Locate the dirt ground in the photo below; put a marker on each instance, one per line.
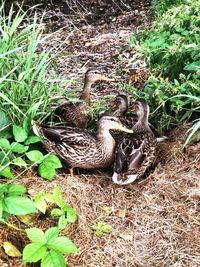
(155, 221)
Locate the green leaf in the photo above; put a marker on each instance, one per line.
(34, 155)
(18, 205)
(19, 133)
(4, 122)
(53, 160)
(36, 235)
(62, 222)
(56, 212)
(15, 190)
(33, 252)
(51, 234)
(19, 162)
(27, 124)
(62, 244)
(4, 144)
(194, 66)
(58, 197)
(32, 139)
(40, 203)
(53, 259)
(71, 213)
(46, 171)
(6, 172)
(1, 209)
(19, 148)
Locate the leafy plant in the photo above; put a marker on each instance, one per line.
(12, 201)
(65, 212)
(101, 228)
(47, 247)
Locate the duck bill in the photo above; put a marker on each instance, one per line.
(104, 78)
(124, 129)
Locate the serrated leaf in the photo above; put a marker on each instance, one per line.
(51, 234)
(46, 171)
(33, 252)
(26, 219)
(36, 235)
(18, 148)
(40, 203)
(54, 161)
(71, 213)
(53, 259)
(32, 140)
(62, 222)
(58, 196)
(62, 244)
(20, 162)
(6, 172)
(4, 144)
(15, 189)
(11, 250)
(18, 205)
(34, 155)
(19, 133)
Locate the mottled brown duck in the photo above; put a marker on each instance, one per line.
(75, 114)
(80, 147)
(136, 151)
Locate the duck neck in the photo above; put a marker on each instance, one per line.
(105, 139)
(85, 95)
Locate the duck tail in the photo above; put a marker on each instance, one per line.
(123, 179)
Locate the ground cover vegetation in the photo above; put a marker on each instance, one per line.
(171, 49)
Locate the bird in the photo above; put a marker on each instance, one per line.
(136, 151)
(82, 148)
(75, 114)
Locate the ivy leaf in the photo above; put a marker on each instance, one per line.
(18, 148)
(62, 244)
(33, 252)
(6, 172)
(15, 190)
(19, 133)
(53, 259)
(32, 139)
(62, 222)
(36, 235)
(18, 205)
(4, 144)
(53, 160)
(40, 202)
(56, 212)
(46, 171)
(58, 197)
(71, 214)
(19, 162)
(34, 155)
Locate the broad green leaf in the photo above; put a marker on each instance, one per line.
(15, 190)
(20, 162)
(46, 171)
(33, 252)
(19, 148)
(4, 144)
(6, 172)
(53, 160)
(53, 259)
(11, 250)
(36, 235)
(18, 205)
(71, 213)
(62, 244)
(194, 66)
(58, 196)
(4, 122)
(51, 234)
(34, 155)
(62, 222)
(56, 212)
(19, 133)
(1, 209)
(32, 139)
(40, 203)
(27, 124)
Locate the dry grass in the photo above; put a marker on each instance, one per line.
(155, 222)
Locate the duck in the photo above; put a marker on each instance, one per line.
(123, 108)
(82, 148)
(136, 151)
(75, 114)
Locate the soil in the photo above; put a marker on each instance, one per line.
(155, 221)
